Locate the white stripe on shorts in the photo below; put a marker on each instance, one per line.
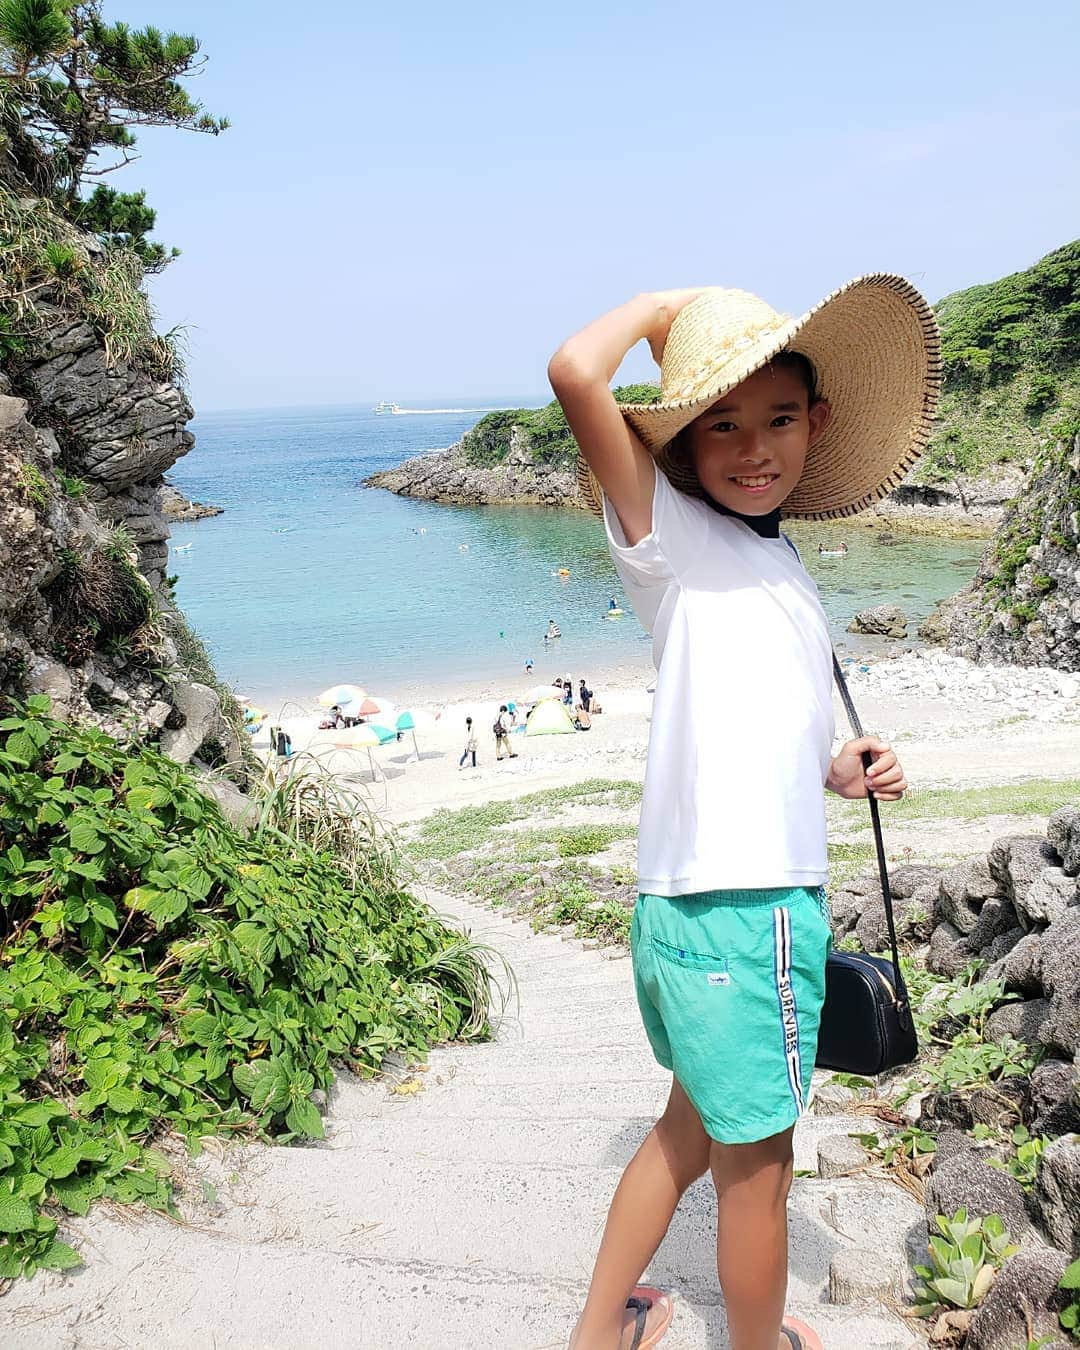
(785, 994)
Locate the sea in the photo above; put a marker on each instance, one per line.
(310, 579)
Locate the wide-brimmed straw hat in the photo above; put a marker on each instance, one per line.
(875, 349)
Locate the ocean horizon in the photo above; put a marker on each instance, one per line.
(310, 579)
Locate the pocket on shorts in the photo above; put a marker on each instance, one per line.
(712, 963)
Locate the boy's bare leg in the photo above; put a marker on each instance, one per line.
(752, 1183)
(675, 1153)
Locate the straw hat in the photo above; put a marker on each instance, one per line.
(874, 345)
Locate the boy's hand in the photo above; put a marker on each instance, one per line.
(668, 304)
(884, 779)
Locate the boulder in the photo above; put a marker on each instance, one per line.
(1003, 1104)
(1015, 861)
(1063, 832)
(966, 1182)
(1058, 970)
(201, 710)
(1055, 1098)
(1024, 1021)
(949, 954)
(839, 1154)
(1023, 1303)
(1057, 1193)
(880, 621)
(1019, 969)
(952, 904)
(1047, 898)
(910, 878)
(1002, 945)
(995, 918)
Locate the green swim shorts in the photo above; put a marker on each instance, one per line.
(730, 986)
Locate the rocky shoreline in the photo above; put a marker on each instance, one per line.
(175, 506)
(970, 507)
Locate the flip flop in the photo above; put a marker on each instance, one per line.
(639, 1302)
(800, 1335)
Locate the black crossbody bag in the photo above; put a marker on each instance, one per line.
(866, 1023)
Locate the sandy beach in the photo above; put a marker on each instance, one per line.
(954, 725)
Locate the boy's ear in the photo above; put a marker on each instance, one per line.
(819, 414)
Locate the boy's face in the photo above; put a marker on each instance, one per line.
(750, 447)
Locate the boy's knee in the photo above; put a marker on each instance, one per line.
(766, 1162)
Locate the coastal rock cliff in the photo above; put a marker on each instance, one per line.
(87, 614)
(450, 476)
(1023, 607)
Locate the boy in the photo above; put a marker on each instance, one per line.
(821, 415)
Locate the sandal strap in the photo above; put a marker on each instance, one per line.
(793, 1336)
(641, 1308)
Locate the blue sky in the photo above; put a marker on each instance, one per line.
(420, 201)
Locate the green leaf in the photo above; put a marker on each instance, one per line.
(60, 1163)
(16, 1216)
(953, 1291)
(84, 838)
(59, 1256)
(303, 1118)
(123, 1101)
(1071, 1278)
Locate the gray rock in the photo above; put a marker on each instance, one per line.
(881, 621)
(906, 880)
(954, 1143)
(952, 904)
(1024, 1021)
(1023, 1302)
(1059, 973)
(1003, 1104)
(856, 1275)
(996, 917)
(236, 806)
(1015, 861)
(49, 677)
(1019, 969)
(839, 1154)
(1048, 897)
(1063, 832)
(969, 1183)
(832, 1099)
(1001, 947)
(201, 709)
(1055, 1098)
(949, 953)
(1057, 1192)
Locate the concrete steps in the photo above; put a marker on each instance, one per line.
(467, 1215)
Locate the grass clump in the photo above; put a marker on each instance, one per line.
(445, 834)
(162, 972)
(1034, 797)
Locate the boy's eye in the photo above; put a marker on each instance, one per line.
(782, 421)
(722, 426)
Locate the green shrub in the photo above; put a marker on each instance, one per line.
(162, 972)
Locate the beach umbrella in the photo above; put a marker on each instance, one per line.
(541, 691)
(371, 707)
(548, 719)
(412, 718)
(360, 738)
(341, 693)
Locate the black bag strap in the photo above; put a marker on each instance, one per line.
(883, 874)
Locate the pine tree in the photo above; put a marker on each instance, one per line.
(71, 87)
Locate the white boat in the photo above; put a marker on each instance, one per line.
(384, 407)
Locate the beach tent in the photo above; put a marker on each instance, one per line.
(549, 719)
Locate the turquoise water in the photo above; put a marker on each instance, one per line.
(309, 579)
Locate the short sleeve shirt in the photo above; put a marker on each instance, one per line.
(742, 723)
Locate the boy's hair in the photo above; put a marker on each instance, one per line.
(468, 721)
(503, 707)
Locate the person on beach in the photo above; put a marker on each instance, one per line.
(820, 416)
(528, 665)
(584, 696)
(502, 733)
(470, 744)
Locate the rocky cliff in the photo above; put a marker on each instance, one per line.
(86, 609)
(1023, 607)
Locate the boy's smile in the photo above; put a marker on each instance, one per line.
(749, 448)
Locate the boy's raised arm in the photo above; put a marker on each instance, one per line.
(581, 372)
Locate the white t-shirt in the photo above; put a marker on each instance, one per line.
(742, 722)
